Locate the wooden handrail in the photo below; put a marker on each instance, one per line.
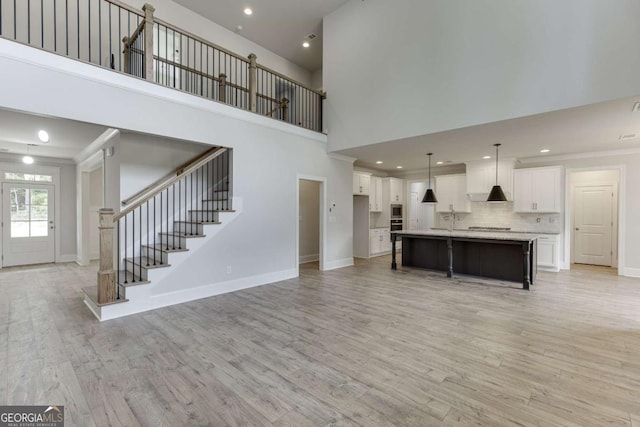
(186, 171)
(283, 77)
(177, 171)
(131, 40)
(126, 7)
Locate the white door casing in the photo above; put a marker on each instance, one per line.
(593, 224)
(28, 223)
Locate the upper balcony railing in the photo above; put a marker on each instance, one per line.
(116, 36)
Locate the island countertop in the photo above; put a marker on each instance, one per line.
(469, 234)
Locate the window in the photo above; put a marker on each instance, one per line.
(14, 176)
(29, 212)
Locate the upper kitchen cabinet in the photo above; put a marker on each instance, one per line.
(481, 177)
(392, 188)
(451, 191)
(538, 190)
(361, 183)
(375, 194)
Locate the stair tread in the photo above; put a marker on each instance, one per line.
(92, 293)
(146, 262)
(187, 236)
(163, 248)
(123, 275)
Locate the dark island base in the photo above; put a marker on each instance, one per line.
(504, 260)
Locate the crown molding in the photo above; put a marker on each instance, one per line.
(576, 156)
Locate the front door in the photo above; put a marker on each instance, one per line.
(27, 224)
(593, 226)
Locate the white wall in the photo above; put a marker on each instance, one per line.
(95, 204)
(309, 200)
(396, 69)
(268, 157)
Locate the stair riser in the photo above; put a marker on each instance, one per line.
(215, 205)
(201, 216)
(159, 255)
(171, 240)
(181, 227)
(135, 269)
(219, 195)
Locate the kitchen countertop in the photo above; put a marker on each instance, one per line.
(490, 235)
(378, 228)
(500, 231)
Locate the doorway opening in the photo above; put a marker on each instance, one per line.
(310, 230)
(594, 217)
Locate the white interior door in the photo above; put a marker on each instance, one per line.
(27, 224)
(593, 224)
(420, 215)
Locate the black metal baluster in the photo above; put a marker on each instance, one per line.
(126, 219)
(55, 26)
(29, 21)
(155, 231)
(173, 200)
(99, 32)
(118, 256)
(111, 39)
(140, 242)
(191, 194)
(148, 247)
(208, 192)
(174, 231)
(133, 246)
(89, 28)
(15, 18)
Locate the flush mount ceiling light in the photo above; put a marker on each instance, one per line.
(43, 135)
(379, 162)
(545, 150)
(306, 44)
(28, 160)
(486, 157)
(429, 195)
(248, 11)
(496, 195)
(439, 163)
(398, 167)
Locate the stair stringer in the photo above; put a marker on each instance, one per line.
(141, 297)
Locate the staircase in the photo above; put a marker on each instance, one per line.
(169, 217)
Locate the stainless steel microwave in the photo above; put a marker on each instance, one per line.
(396, 211)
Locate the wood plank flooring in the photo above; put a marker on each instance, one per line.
(357, 346)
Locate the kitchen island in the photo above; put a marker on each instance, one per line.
(503, 256)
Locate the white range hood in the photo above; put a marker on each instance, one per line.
(481, 177)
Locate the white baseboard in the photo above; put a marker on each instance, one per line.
(309, 258)
(631, 272)
(339, 263)
(171, 298)
(67, 258)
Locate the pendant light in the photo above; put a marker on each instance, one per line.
(429, 196)
(496, 195)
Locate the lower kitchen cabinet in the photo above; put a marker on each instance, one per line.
(549, 252)
(380, 241)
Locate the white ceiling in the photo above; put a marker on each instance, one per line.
(67, 137)
(590, 128)
(278, 25)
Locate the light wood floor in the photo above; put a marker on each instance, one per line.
(356, 346)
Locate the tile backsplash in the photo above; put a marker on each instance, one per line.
(485, 214)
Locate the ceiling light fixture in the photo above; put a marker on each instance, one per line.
(248, 11)
(28, 160)
(398, 167)
(305, 44)
(429, 195)
(486, 157)
(439, 163)
(545, 150)
(379, 162)
(43, 136)
(496, 195)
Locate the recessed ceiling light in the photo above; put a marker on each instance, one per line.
(486, 157)
(439, 163)
(43, 136)
(379, 162)
(398, 167)
(248, 11)
(546, 150)
(27, 160)
(305, 44)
